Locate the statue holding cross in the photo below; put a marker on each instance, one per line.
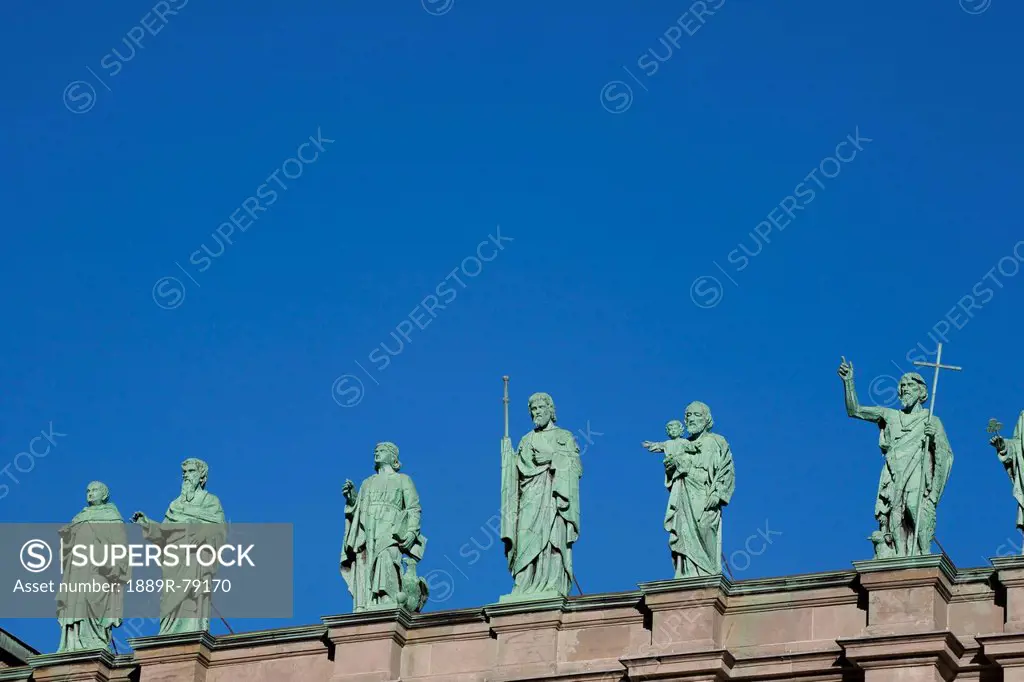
(918, 459)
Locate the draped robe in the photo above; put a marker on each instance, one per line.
(387, 507)
(86, 618)
(694, 480)
(197, 522)
(540, 502)
(912, 479)
(1013, 462)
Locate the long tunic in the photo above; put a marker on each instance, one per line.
(188, 610)
(540, 495)
(903, 503)
(1013, 462)
(386, 509)
(86, 618)
(695, 481)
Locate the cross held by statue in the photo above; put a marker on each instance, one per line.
(935, 381)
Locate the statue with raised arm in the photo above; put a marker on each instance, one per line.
(196, 518)
(87, 618)
(540, 505)
(383, 542)
(1011, 456)
(918, 459)
(700, 478)
(675, 443)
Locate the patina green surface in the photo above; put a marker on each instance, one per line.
(918, 459)
(700, 477)
(540, 505)
(195, 517)
(1011, 454)
(383, 543)
(87, 619)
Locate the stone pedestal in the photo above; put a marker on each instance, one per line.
(907, 595)
(1007, 651)
(527, 638)
(686, 614)
(368, 645)
(1010, 577)
(906, 637)
(173, 658)
(76, 666)
(921, 657)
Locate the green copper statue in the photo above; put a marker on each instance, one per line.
(540, 504)
(87, 618)
(1011, 455)
(195, 517)
(382, 532)
(700, 478)
(918, 459)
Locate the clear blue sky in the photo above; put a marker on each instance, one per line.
(445, 126)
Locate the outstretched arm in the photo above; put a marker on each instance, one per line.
(653, 446)
(853, 406)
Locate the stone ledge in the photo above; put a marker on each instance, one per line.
(941, 649)
(302, 633)
(200, 637)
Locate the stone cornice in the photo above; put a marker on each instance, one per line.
(788, 664)
(453, 617)
(679, 584)
(977, 574)
(792, 583)
(200, 638)
(512, 608)
(606, 600)
(400, 616)
(941, 647)
(904, 572)
(940, 561)
(302, 633)
(72, 657)
(709, 664)
(1003, 647)
(21, 672)
(1011, 562)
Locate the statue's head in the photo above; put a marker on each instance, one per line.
(96, 493)
(698, 418)
(542, 409)
(386, 453)
(913, 390)
(194, 473)
(674, 429)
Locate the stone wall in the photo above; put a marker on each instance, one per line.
(894, 620)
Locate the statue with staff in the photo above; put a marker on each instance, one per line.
(540, 504)
(918, 459)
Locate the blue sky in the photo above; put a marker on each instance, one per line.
(626, 190)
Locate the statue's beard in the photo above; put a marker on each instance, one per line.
(188, 489)
(541, 421)
(908, 400)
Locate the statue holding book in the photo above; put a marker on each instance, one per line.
(383, 543)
